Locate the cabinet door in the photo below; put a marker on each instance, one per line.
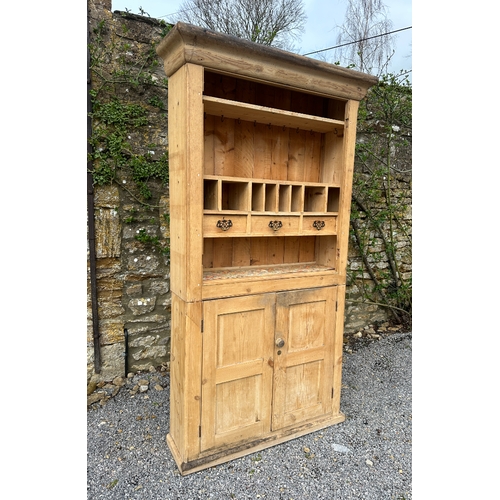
(237, 369)
(303, 365)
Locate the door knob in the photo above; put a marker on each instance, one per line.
(280, 342)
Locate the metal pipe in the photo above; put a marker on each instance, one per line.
(90, 218)
(125, 331)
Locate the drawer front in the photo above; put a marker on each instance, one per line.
(266, 225)
(319, 225)
(224, 225)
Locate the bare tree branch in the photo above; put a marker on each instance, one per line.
(364, 20)
(269, 22)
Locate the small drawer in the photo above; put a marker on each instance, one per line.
(224, 225)
(319, 225)
(276, 225)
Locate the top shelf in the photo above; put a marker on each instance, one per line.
(262, 114)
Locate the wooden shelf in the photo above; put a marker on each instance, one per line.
(262, 271)
(231, 178)
(262, 114)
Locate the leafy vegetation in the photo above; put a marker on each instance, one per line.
(380, 220)
(121, 77)
(128, 96)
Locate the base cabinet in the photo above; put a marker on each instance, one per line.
(267, 364)
(267, 370)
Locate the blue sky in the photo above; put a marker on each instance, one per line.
(320, 33)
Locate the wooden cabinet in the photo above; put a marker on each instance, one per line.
(261, 148)
(267, 364)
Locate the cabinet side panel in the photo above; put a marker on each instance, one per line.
(346, 186)
(185, 377)
(338, 348)
(185, 137)
(177, 173)
(177, 371)
(193, 341)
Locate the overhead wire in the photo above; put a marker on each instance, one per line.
(356, 41)
(316, 51)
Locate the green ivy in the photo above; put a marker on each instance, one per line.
(152, 241)
(129, 91)
(118, 112)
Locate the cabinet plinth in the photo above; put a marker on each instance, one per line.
(260, 188)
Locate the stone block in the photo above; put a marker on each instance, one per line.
(161, 287)
(109, 288)
(107, 267)
(142, 305)
(153, 318)
(143, 264)
(134, 290)
(153, 352)
(109, 309)
(144, 342)
(112, 362)
(106, 196)
(111, 332)
(107, 233)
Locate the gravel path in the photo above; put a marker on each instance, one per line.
(366, 457)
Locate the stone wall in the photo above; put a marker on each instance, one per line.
(133, 278)
(359, 312)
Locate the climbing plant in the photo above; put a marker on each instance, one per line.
(380, 223)
(129, 105)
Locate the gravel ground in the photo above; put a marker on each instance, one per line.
(369, 456)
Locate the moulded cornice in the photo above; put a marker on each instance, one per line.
(227, 54)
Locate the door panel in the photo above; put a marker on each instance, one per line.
(237, 369)
(303, 366)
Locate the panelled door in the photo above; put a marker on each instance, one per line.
(303, 361)
(237, 373)
(267, 363)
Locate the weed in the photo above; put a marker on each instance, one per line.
(112, 484)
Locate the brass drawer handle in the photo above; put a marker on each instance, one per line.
(275, 225)
(319, 224)
(225, 224)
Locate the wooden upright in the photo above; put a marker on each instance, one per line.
(261, 149)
